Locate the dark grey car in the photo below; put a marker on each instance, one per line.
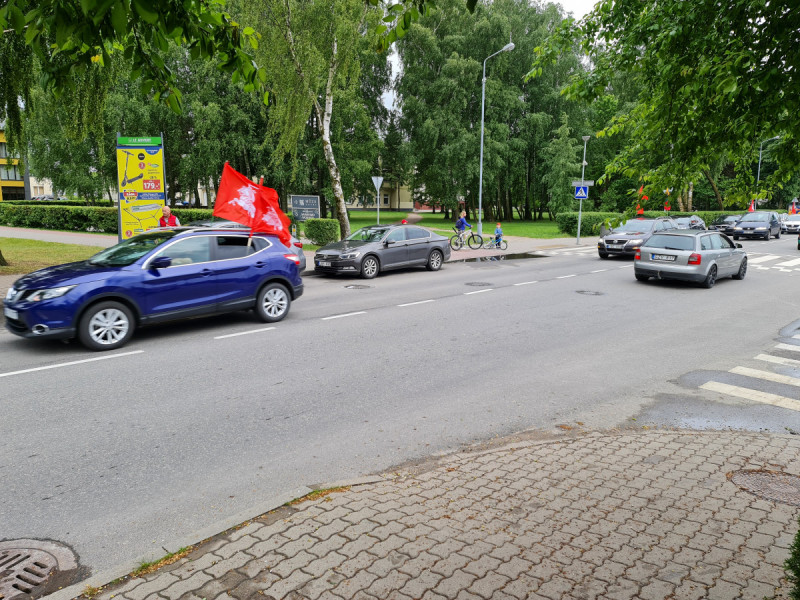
(628, 237)
(758, 224)
(377, 248)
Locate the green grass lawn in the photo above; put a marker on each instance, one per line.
(24, 256)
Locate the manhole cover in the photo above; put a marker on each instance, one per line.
(356, 287)
(32, 568)
(769, 485)
(590, 293)
(479, 284)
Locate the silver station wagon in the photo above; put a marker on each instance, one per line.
(690, 255)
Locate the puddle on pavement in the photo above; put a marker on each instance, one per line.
(498, 257)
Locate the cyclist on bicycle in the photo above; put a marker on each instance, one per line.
(462, 224)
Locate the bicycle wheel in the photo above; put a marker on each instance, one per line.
(456, 242)
(503, 245)
(475, 241)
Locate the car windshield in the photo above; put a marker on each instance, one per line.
(368, 234)
(635, 226)
(757, 217)
(671, 242)
(793, 218)
(128, 252)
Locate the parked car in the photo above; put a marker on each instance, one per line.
(725, 223)
(297, 245)
(161, 275)
(690, 255)
(791, 224)
(760, 224)
(377, 248)
(628, 237)
(691, 222)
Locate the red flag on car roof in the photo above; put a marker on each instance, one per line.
(751, 208)
(248, 203)
(793, 210)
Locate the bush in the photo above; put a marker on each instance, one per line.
(590, 222)
(322, 231)
(71, 218)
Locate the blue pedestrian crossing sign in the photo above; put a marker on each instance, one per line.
(582, 192)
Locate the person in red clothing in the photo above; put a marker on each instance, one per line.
(168, 219)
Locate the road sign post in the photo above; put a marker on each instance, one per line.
(377, 181)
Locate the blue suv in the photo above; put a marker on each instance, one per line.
(162, 275)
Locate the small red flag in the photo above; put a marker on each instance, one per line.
(751, 208)
(667, 206)
(248, 203)
(793, 210)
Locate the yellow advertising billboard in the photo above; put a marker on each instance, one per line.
(142, 189)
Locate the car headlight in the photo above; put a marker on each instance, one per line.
(11, 291)
(635, 242)
(738, 228)
(762, 228)
(353, 254)
(40, 295)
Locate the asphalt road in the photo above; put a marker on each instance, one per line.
(118, 454)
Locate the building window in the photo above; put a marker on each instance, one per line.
(3, 152)
(10, 173)
(386, 199)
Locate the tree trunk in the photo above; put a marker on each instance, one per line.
(3, 262)
(691, 194)
(714, 187)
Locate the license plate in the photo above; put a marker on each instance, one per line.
(665, 257)
(324, 263)
(10, 313)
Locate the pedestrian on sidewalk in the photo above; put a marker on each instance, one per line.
(167, 218)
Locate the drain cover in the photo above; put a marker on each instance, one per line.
(32, 568)
(479, 283)
(590, 293)
(356, 287)
(769, 485)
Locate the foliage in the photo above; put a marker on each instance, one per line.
(713, 83)
(590, 222)
(561, 164)
(322, 231)
(69, 218)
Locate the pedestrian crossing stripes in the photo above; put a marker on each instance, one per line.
(754, 395)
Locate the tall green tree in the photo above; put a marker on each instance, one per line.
(561, 160)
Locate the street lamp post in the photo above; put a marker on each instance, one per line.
(760, 148)
(507, 48)
(585, 139)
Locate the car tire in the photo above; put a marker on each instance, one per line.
(106, 326)
(273, 302)
(435, 260)
(640, 277)
(370, 267)
(604, 255)
(778, 235)
(711, 278)
(742, 269)
(767, 236)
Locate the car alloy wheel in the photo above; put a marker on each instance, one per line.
(106, 326)
(369, 268)
(742, 269)
(711, 278)
(435, 261)
(273, 302)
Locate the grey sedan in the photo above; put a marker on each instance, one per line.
(690, 255)
(377, 248)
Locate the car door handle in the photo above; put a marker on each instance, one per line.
(207, 272)
(261, 263)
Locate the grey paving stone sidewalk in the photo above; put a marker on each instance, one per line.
(648, 515)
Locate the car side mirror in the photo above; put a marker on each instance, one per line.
(388, 242)
(738, 245)
(160, 262)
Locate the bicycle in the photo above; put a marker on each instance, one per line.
(458, 241)
(491, 244)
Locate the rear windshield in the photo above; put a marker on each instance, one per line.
(671, 242)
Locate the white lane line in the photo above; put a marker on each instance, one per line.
(766, 375)
(761, 259)
(754, 395)
(600, 271)
(478, 291)
(415, 303)
(797, 337)
(626, 267)
(361, 312)
(566, 276)
(789, 263)
(74, 362)
(779, 360)
(526, 282)
(788, 347)
(230, 335)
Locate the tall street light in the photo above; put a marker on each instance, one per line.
(585, 139)
(507, 48)
(760, 148)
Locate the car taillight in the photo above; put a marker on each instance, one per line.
(293, 257)
(694, 259)
(638, 255)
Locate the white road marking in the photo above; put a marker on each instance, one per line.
(74, 362)
(788, 347)
(600, 271)
(754, 395)
(566, 276)
(626, 267)
(766, 375)
(478, 291)
(361, 312)
(415, 303)
(230, 335)
(761, 259)
(797, 337)
(526, 282)
(790, 263)
(779, 360)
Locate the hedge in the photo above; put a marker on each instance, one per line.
(322, 231)
(591, 222)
